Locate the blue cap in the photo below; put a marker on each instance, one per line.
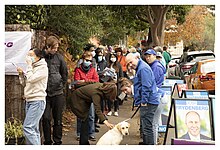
(150, 52)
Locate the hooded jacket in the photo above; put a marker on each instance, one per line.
(82, 98)
(36, 81)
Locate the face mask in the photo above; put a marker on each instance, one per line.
(93, 53)
(113, 59)
(86, 63)
(99, 58)
(32, 59)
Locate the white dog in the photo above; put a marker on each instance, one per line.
(115, 135)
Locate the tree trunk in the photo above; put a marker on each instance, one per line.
(149, 40)
(160, 31)
(156, 16)
(155, 37)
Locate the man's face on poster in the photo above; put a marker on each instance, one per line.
(193, 123)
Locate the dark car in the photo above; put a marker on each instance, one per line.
(188, 59)
(171, 66)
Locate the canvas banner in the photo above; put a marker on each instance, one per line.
(17, 44)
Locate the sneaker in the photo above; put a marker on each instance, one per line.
(96, 130)
(109, 113)
(77, 138)
(141, 143)
(92, 138)
(97, 126)
(116, 113)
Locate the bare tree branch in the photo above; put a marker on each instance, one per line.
(149, 16)
(141, 18)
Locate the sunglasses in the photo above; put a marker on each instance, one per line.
(88, 60)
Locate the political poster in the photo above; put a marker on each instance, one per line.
(193, 119)
(212, 98)
(171, 82)
(166, 102)
(17, 44)
(190, 142)
(200, 94)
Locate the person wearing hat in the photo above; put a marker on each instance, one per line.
(159, 57)
(159, 72)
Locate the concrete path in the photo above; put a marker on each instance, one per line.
(69, 137)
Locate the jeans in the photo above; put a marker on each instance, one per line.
(55, 104)
(91, 121)
(156, 120)
(146, 118)
(34, 111)
(116, 105)
(84, 134)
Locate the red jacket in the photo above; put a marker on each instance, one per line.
(91, 75)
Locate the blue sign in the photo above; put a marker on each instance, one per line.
(166, 102)
(196, 94)
(171, 82)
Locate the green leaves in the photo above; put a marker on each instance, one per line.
(13, 128)
(35, 15)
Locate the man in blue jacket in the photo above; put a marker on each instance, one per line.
(145, 94)
(159, 72)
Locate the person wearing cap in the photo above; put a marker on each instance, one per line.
(159, 57)
(159, 71)
(145, 95)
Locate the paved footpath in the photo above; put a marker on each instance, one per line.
(125, 112)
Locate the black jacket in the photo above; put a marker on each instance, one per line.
(58, 74)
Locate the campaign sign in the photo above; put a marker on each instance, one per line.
(171, 82)
(193, 119)
(166, 102)
(200, 94)
(190, 142)
(212, 98)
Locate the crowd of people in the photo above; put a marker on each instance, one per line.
(103, 78)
